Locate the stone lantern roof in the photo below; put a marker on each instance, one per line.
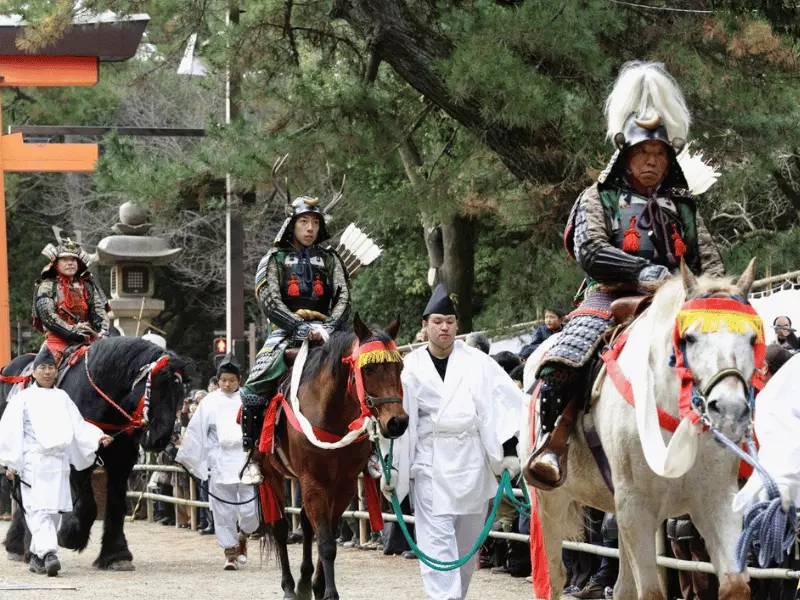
(131, 244)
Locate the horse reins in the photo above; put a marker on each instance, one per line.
(139, 418)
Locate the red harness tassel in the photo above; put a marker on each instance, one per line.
(373, 503)
(680, 247)
(630, 239)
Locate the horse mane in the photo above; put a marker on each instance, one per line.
(118, 360)
(328, 357)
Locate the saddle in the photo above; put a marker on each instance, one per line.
(70, 357)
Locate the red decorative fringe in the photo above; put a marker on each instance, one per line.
(680, 247)
(373, 503)
(270, 509)
(539, 564)
(630, 239)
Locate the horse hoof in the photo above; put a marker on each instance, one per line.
(122, 565)
(14, 557)
(289, 596)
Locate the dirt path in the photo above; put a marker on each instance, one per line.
(173, 564)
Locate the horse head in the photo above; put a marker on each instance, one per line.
(380, 365)
(721, 342)
(166, 395)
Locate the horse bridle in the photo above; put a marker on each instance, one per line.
(699, 398)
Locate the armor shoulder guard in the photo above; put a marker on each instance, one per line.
(591, 192)
(261, 272)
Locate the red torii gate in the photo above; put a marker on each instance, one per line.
(71, 61)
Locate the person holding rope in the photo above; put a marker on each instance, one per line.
(42, 433)
(464, 415)
(213, 440)
(69, 306)
(299, 283)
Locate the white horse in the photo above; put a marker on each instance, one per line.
(643, 499)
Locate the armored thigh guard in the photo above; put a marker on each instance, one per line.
(261, 386)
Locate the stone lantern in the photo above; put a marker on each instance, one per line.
(132, 255)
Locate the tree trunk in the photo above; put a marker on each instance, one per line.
(412, 161)
(413, 50)
(458, 269)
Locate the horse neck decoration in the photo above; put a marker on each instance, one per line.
(691, 358)
(117, 380)
(353, 377)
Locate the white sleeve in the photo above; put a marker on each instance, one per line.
(85, 438)
(193, 452)
(11, 435)
(777, 427)
(404, 446)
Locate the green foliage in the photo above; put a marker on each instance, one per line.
(535, 66)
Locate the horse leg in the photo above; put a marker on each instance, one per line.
(625, 586)
(716, 523)
(119, 461)
(326, 547)
(280, 533)
(76, 526)
(637, 534)
(307, 566)
(561, 519)
(17, 540)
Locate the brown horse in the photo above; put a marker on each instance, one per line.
(329, 399)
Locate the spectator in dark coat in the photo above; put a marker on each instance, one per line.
(553, 323)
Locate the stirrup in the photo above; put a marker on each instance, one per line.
(252, 474)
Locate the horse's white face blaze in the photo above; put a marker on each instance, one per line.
(727, 405)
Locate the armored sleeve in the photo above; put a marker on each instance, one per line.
(98, 309)
(268, 290)
(593, 249)
(340, 306)
(710, 260)
(45, 309)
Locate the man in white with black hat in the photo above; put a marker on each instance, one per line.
(464, 415)
(42, 433)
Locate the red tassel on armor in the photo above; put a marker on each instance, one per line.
(630, 239)
(319, 289)
(680, 247)
(293, 287)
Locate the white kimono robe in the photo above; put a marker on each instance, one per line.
(456, 427)
(42, 433)
(777, 426)
(213, 441)
(452, 452)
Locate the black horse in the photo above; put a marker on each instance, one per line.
(119, 368)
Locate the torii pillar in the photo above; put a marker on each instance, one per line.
(72, 61)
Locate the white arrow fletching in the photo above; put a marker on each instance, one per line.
(700, 175)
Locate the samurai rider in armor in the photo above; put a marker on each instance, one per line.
(627, 231)
(69, 306)
(299, 283)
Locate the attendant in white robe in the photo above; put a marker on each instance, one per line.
(463, 409)
(777, 428)
(213, 442)
(42, 433)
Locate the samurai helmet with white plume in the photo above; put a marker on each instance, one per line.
(646, 105)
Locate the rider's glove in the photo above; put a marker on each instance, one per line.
(653, 273)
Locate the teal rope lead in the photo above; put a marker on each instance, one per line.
(504, 489)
